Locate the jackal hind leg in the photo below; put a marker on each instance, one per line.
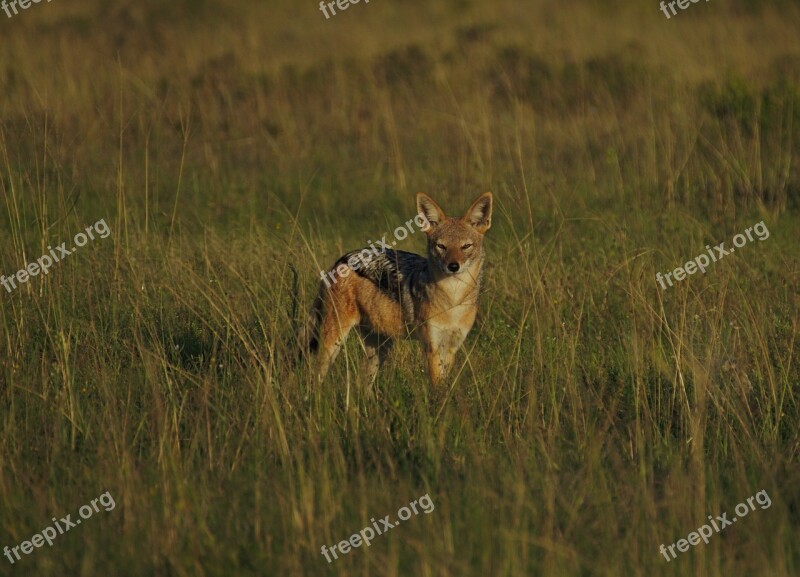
(336, 325)
(377, 348)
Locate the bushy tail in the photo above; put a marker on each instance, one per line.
(307, 337)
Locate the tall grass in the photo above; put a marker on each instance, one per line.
(236, 150)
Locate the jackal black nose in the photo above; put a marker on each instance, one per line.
(453, 267)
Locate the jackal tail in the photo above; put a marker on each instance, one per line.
(307, 337)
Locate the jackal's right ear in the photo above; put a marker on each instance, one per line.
(429, 210)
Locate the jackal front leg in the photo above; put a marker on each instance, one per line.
(441, 352)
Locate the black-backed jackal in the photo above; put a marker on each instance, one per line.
(396, 293)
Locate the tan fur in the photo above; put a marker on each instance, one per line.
(441, 304)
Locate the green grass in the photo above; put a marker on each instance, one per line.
(236, 150)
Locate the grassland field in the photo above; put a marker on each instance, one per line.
(236, 149)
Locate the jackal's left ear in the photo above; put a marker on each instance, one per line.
(479, 214)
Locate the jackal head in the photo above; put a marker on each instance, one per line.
(456, 244)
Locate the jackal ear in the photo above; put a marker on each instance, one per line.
(429, 210)
(479, 214)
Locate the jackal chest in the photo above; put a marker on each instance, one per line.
(447, 326)
(447, 337)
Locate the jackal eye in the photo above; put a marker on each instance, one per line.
(466, 246)
(440, 246)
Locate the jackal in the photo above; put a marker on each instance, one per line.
(396, 293)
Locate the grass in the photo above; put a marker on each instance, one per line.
(236, 150)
